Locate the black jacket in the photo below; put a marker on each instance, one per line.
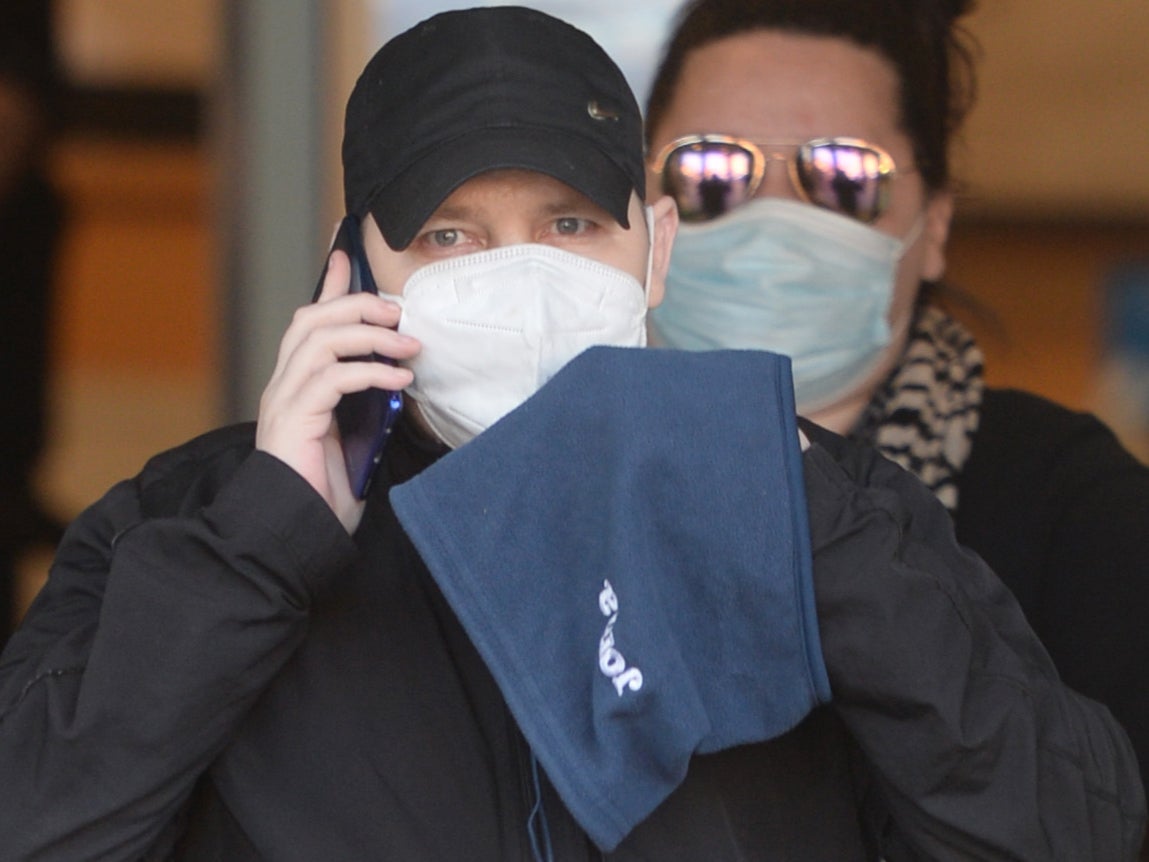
(215, 670)
(1058, 509)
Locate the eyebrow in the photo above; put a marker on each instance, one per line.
(453, 213)
(568, 203)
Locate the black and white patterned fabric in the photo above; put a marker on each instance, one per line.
(924, 416)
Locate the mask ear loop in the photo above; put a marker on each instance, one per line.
(899, 329)
(648, 213)
(913, 235)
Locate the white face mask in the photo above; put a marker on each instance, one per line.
(496, 325)
(791, 278)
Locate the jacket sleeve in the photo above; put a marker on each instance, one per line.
(150, 640)
(974, 747)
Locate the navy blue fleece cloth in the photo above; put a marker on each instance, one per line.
(628, 551)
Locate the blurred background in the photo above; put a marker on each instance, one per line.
(194, 147)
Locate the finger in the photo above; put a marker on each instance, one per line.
(335, 358)
(337, 278)
(293, 412)
(341, 342)
(345, 377)
(352, 308)
(379, 314)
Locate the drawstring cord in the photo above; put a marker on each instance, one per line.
(537, 828)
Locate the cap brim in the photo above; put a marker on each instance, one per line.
(406, 203)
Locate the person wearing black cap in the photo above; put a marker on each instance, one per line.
(598, 602)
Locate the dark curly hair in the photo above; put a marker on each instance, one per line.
(931, 53)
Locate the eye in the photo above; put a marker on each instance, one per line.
(571, 226)
(445, 238)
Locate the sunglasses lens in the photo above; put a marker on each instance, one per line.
(850, 179)
(707, 179)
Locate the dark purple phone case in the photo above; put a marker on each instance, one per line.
(365, 419)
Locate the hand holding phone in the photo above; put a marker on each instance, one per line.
(365, 419)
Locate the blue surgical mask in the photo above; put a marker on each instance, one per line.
(787, 277)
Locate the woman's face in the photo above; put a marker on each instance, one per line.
(769, 85)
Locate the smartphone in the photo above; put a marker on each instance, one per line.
(365, 419)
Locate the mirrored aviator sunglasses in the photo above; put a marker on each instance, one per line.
(709, 175)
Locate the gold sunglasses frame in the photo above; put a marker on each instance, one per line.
(764, 152)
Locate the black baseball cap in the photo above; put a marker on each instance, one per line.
(468, 91)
